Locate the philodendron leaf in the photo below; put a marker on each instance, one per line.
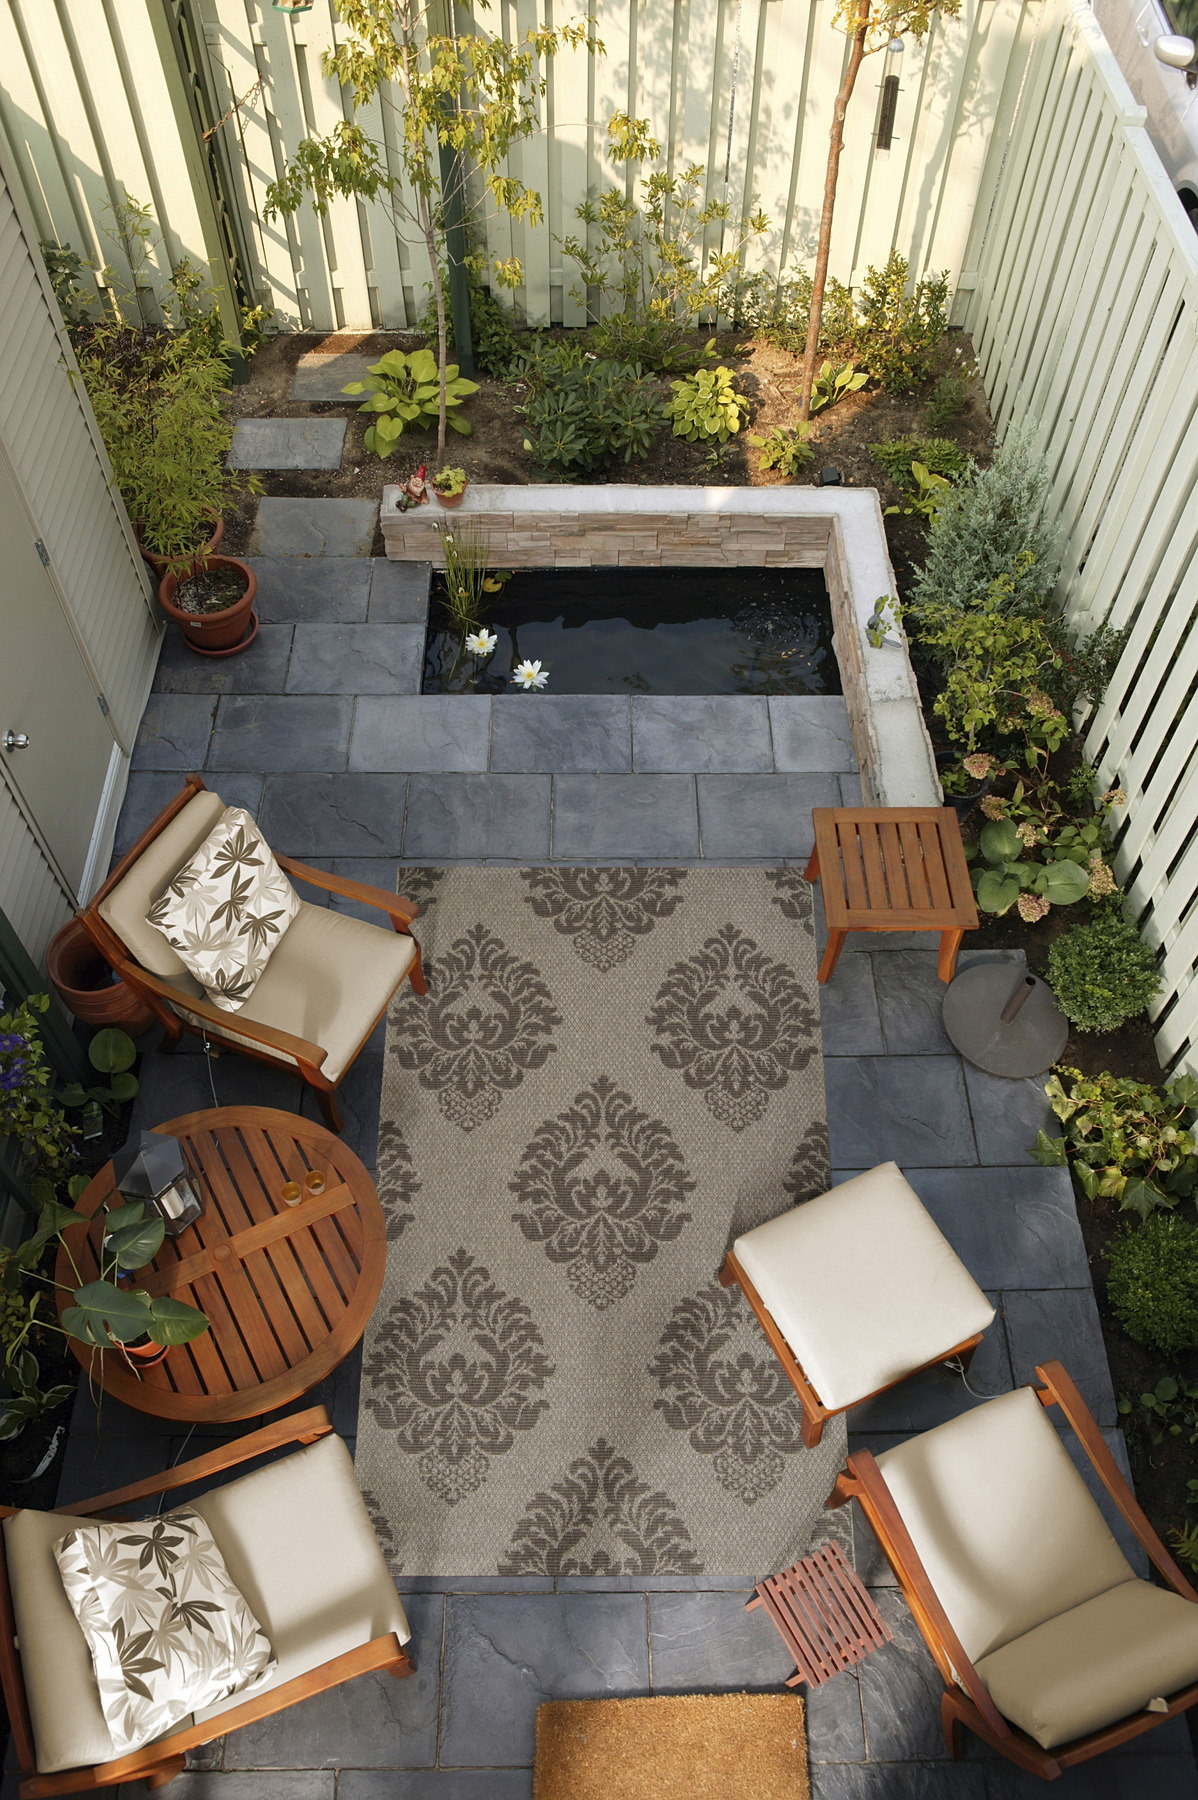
(112, 1051)
(124, 1086)
(1064, 883)
(135, 1245)
(118, 1217)
(55, 1217)
(1000, 842)
(997, 891)
(103, 1311)
(174, 1322)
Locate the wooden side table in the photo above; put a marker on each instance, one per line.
(287, 1289)
(892, 868)
(824, 1615)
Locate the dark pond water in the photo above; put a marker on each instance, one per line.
(648, 631)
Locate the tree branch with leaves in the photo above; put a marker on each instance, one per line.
(475, 95)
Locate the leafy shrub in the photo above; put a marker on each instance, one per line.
(1126, 1140)
(949, 398)
(940, 456)
(492, 338)
(1153, 1282)
(65, 269)
(405, 390)
(707, 406)
(1102, 973)
(895, 334)
(584, 414)
(990, 521)
(786, 451)
(1054, 882)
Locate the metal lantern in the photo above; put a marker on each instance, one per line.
(150, 1168)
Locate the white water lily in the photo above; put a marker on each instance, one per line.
(481, 643)
(530, 675)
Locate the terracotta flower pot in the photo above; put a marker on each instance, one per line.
(449, 501)
(87, 986)
(204, 551)
(146, 1354)
(219, 632)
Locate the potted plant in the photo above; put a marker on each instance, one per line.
(965, 778)
(212, 601)
(87, 986)
(449, 485)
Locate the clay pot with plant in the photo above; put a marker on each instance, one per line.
(449, 485)
(86, 985)
(213, 605)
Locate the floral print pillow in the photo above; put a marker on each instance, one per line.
(225, 911)
(167, 1630)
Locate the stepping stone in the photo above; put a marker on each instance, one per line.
(288, 526)
(323, 377)
(287, 444)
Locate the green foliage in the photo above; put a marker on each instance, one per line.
(1009, 874)
(405, 390)
(113, 1053)
(992, 526)
(450, 481)
(706, 406)
(949, 398)
(1153, 1282)
(788, 451)
(1184, 1540)
(940, 456)
(26, 1399)
(896, 334)
(30, 1113)
(833, 383)
(930, 490)
(642, 261)
(1169, 1411)
(492, 338)
(584, 414)
(465, 552)
(1126, 1140)
(1102, 973)
(1083, 667)
(70, 279)
(774, 310)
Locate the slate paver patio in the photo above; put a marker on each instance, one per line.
(488, 1651)
(287, 444)
(320, 377)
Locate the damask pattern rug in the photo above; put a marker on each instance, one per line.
(615, 1072)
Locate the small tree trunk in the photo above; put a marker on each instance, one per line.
(835, 145)
(430, 239)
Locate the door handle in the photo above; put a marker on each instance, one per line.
(16, 740)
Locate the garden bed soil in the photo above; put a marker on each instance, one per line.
(494, 452)
(212, 591)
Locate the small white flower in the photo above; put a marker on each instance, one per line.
(530, 675)
(481, 643)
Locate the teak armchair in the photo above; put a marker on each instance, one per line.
(856, 1291)
(302, 1512)
(326, 987)
(1051, 1648)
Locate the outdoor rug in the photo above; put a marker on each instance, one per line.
(614, 1073)
(677, 1747)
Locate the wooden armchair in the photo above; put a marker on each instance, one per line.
(342, 1618)
(856, 1291)
(1051, 1648)
(325, 988)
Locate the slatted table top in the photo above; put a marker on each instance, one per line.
(824, 1615)
(893, 867)
(287, 1289)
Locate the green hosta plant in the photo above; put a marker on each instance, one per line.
(112, 1053)
(786, 451)
(707, 407)
(1124, 1139)
(1007, 879)
(939, 455)
(832, 384)
(930, 490)
(404, 390)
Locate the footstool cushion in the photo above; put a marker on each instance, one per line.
(862, 1285)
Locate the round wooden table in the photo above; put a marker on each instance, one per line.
(287, 1289)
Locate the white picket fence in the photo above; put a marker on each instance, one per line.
(744, 87)
(1085, 318)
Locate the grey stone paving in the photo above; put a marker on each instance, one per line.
(416, 779)
(301, 527)
(287, 444)
(323, 377)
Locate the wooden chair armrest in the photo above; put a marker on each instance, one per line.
(299, 1048)
(868, 1485)
(300, 1428)
(1082, 1422)
(395, 904)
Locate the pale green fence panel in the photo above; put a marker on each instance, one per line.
(1085, 317)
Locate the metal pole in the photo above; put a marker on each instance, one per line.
(454, 211)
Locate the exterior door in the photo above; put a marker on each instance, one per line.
(47, 695)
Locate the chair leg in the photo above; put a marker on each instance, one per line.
(950, 943)
(811, 872)
(403, 1665)
(811, 1430)
(727, 1275)
(165, 1772)
(416, 974)
(954, 1736)
(832, 954)
(326, 1099)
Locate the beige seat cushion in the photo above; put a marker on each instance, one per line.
(296, 1541)
(126, 907)
(328, 980)
(1002, 1521)
(862, 1285)
(1095, 1664)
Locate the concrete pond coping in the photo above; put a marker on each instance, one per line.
(838, 530)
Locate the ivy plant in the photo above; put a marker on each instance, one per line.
(706, 407)
(1124, 1139)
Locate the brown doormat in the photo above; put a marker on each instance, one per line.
(684, 1747)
